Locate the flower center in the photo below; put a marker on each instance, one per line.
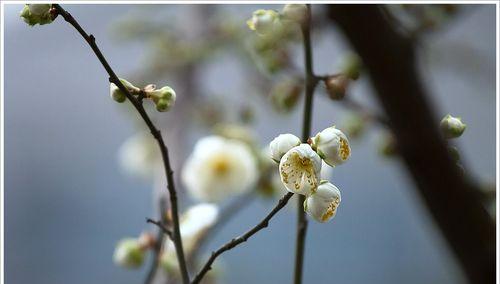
(344, 149)
(332, 207)
(221, 166)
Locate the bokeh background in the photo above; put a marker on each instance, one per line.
(67, 202)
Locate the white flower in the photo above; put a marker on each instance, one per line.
(129, 253)
(219, 168)
(264, 22)
(295, 12)
(300, 169)
(452, 127)
(193, 225)
(140, 156)
(322, 205)
(197, 219)
(332, 145)
(282, 144)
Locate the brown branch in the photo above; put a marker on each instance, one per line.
(162, 227)
(158, 248)
(451, 199)
(310, 83)
(243, 238)
(154, 131)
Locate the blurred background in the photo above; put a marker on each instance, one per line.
(68, 200)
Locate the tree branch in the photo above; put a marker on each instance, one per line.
(310, 82)
(154, 131)
(160, 238)
(243, 238)
(451, 199)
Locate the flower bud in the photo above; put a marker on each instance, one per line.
(300, 169)
(34, 14)
(263, 21)
(332, 145)
(285, 95)
(295, 12)
(322, 205)
(164, 98)
(354, 125)
(387, 146)
(336, 86)
(454, 153)
(129, 253)
(117, 95)
(351, 66)
(452, 127)
(282, 144)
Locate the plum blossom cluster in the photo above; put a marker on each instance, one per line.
(300, 167)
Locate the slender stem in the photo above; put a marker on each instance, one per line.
(160, 238)
(243, 238)
(154, 131)
(310, 84)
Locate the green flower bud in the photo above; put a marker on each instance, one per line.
(34, 14)
(295, 12)
(285, 95)
(452, 127)
(354, 125)
(264, 22)
(455, 155)
(351, 66)
(164, 98)
(129, 253)
(117, 95)
(388, 146)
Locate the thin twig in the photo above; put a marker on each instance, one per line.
(158, 248)
(160, 225)
(311, 82)
(154, 131)
(243, 238)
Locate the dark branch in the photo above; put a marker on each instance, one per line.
(154, 131)
(451, 199)
(160, 225)
(243, 238)
(160, 239)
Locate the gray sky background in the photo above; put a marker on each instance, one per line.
(67, 202)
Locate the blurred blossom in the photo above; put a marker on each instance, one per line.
(219, 168)
(139, 156)
(285, 94)
(235, 131)
(129, 253)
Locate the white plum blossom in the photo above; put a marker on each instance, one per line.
(452, 127)
(322, 205)
(219, 168)
(332, 145)
(139, 156)
(193, 225)
(164, 98)
(282, 144)
(300, 169)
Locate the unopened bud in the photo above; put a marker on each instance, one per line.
(263, 22)
(164, 98)
(452, 127)
(128, 253)
(336, 86)
(117, 94)
(34, 14)
(295, 12)
(351, 66)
